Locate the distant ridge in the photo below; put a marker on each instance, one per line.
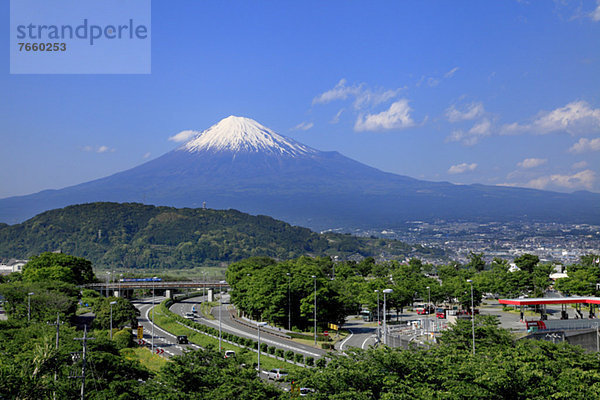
(141, 236)
(238, 163)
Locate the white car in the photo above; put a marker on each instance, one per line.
(277, 374)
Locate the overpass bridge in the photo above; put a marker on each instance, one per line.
(125, 289)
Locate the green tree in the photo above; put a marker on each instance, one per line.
(60, 267)
(527, 262)
(123, 313)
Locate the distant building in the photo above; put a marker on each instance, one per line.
(512, 267)
(12, 265)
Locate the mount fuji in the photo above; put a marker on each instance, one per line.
(238, 163)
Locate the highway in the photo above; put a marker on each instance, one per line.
(162, 339)
(231, 326)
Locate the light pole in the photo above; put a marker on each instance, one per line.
(472, 315)
(385, 291)
(428, 306)
(153, 280)
(259, 325)
(289, 304)
(204, 286)
(107, 278)
(315, 307)
(378, 320)
(220, 306)
(120, 280)
(111, 329)
(29, 306)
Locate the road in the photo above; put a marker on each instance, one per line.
(362, 335)
(231, 326)
(162, 339)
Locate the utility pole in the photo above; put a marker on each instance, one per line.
(58, 324)
(84, 340)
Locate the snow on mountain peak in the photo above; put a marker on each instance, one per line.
(239, 134)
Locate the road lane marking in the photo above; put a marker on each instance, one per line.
(345, 340)
(366, 340)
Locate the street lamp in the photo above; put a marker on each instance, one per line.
(29, 306)
(153, 281)
(220, 306)
(428, 306)
(259, 325)
(472, 315)
(315, 307)
(107, 278)
(378, 321)
(385, 291)
(289, 304)
(120, 280)
(111, 329)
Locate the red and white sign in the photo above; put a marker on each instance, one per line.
(141, 342)
(325, 333)
(159, 350)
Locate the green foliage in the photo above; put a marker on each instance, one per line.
(140, 236)
(260, 289)
(48, 299)
(58, 267)
(501, 369)
(123, 313)
(206, 374)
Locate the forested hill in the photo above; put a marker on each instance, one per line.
(132, 235)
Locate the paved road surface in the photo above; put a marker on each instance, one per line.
(162, 339)
(230, 326)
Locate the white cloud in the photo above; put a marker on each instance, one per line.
(462, 168)
(469, 112)
(147, 155)
(532, 162)
(576, 118)
(451, 73)
(595, 15)
(339, 92)
(99, 149)
(584, 145)
(336, 118)
(472, 136)
(433, 82)
(303, 126)
(585, 178)
(579, 165)
(362, 95)
(183, 136)
(396, 117)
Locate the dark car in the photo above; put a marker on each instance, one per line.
(182, 339)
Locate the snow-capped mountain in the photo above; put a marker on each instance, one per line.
(238, 163)
(239, 134)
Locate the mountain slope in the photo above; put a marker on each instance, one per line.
(142, 236)
(240, 164)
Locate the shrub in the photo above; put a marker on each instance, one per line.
(321, 362)
(310, 361)
(263, 347)
(289, 355)
(271, 350)
(299, 358)
(279, 353)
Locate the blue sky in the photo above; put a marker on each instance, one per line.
(499, 93)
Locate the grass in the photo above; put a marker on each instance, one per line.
(206, 308)
(168, 323)
(151, 361)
